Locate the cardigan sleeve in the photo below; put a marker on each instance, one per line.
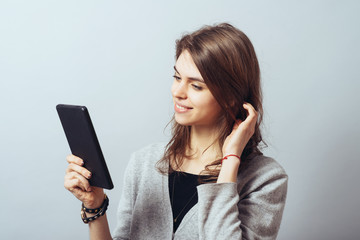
(125, 209)
(250, 209)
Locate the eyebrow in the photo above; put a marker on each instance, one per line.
(191, 78)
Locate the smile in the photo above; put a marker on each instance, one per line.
(181, 109)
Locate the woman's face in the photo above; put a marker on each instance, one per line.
(193, 102)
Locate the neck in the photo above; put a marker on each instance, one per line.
(204, 142)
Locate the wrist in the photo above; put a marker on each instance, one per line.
(229, 170)
(94, 203)
(232, 159)
(95, 213)
(230, 163)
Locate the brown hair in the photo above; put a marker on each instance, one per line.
(228, 64)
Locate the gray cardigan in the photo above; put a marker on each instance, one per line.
(249, 209)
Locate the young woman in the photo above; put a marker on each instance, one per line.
(211, 180)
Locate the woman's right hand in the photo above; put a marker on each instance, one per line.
(76, 181)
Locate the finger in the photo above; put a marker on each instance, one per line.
(78, 169)
(252, 113)
(75, 180)
(73, 184)
(250, 109)
(74, 159)
(79, 193)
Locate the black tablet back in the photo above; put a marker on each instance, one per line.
(83, 143)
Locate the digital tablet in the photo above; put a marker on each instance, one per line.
(83, 143)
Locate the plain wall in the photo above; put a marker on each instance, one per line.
(116, 58)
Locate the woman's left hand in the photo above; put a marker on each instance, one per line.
(241, 133)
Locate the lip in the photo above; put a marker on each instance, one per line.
(179, 108)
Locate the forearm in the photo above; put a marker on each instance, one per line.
(218, 213)
(229, 170)
(99, 229)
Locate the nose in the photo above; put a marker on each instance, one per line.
(179, 90)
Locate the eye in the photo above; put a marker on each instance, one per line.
(196, 87)
(177, 78)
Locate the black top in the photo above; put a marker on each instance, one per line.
(183, 194)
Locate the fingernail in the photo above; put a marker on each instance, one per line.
(89, 175)
(89, 189)
(82, 162)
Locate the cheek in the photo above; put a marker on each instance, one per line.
(215, 107)
(206, 102)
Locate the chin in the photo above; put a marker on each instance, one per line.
(182, 121)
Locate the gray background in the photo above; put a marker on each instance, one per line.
(116, 57)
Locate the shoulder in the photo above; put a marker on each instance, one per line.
(262, 165)
(260, 172)
(145, 158)
(151, 150)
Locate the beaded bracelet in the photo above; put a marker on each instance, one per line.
(230, 155)
(99, 211)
